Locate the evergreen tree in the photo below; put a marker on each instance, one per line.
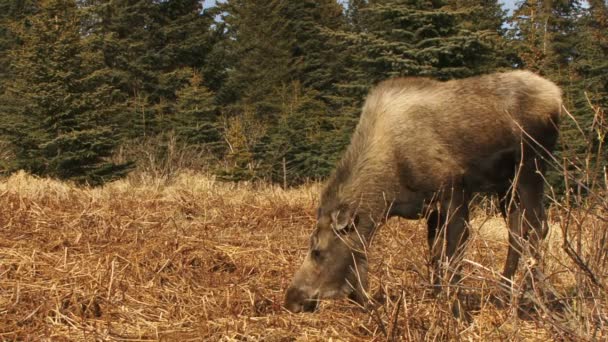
(354, 17)
(281, 51)
(12, 13)
(591, 62)
(293, 149)
(588, 92)
(419, 38)
(260, 52)
(315, 62)
(439, 39)
(561, 40)
(61, 130)
(317, 66)
(148, 43)
(487, 18)
(545, 35)
(196, 115)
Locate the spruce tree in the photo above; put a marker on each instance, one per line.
(591, 62)
(315, 62)
(292, 151)
(561, 40)
(12, 14)
(148, 44)
(196, 116)
(439, 39)
(260, 51)
(545, 35)
(487, 18)
(317, 65)
(589, 91)
(422, 38)
(283, 57)
(260, 56)
(61, 130)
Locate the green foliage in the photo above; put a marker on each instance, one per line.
(11, 13)
(315, 63)
(260, 51)
(419, 38)
(59, 83)
(267, 89)
(197, 122)
(282, 77)
(147, 44)
(292, 151)
(439, 39)
(568, 43)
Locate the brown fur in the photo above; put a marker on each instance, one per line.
(421, 134)
(422, 147)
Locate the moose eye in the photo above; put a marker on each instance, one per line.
(316, 255)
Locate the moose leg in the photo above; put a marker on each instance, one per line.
(513, 217)
(435, 222)
(527, 222)
(456, 211)
(510, 206)
(534, 212)
(457, 217)
(534, 220)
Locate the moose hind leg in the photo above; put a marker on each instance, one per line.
(516, 234)
(526, 220)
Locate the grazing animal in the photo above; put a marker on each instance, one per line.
(421, 149)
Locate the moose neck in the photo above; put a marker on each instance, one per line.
(364, 184)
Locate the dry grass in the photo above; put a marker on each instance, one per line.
(201, 260)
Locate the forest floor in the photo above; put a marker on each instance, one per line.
(197, 259)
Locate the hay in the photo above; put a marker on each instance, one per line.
(197, 259)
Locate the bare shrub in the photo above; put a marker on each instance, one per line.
(164, 156)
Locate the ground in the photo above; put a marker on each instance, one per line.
(196, 259)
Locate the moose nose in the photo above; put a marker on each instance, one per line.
(297, 300)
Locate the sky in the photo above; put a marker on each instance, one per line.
(507, 4)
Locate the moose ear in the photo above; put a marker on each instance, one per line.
(341, 219)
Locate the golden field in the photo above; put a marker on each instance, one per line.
(194, 259)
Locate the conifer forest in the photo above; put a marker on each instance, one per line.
(258, 90)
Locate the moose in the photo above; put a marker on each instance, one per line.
(421, 149)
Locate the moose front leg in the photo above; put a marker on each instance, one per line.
(447, 236)
(451, 225)
(457, 236)
(435, 222)
(456, 211)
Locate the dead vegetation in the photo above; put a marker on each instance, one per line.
(196, 259)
